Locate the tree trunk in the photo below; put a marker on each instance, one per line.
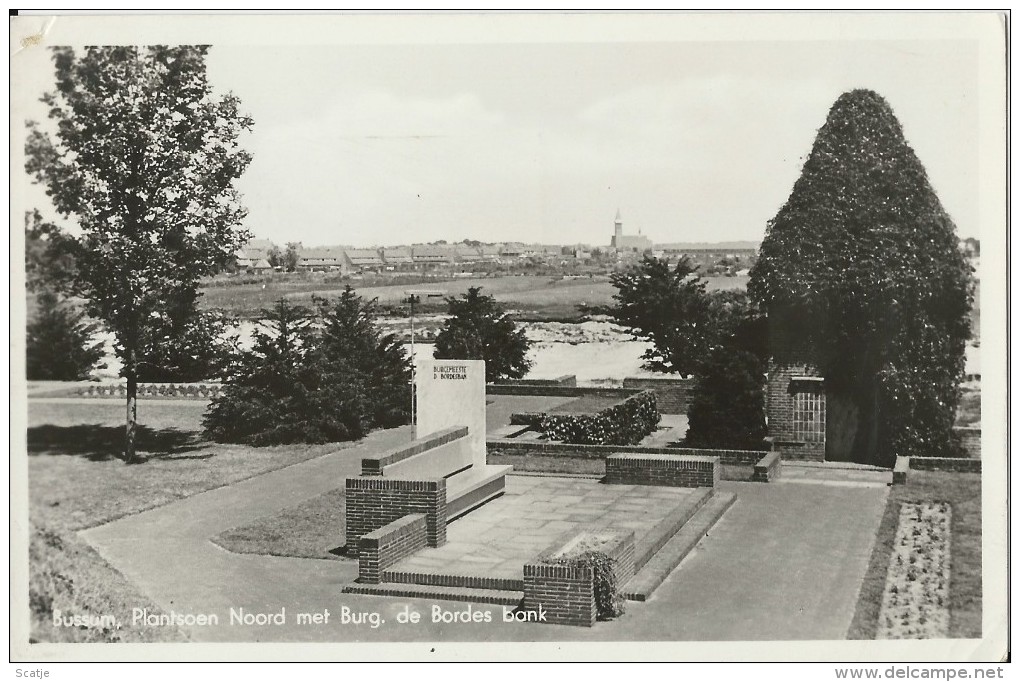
(132, 408)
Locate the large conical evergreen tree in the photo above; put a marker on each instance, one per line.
(863, 261)
(350, 336)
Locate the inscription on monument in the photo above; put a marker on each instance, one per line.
(452, 393)
(450, 372)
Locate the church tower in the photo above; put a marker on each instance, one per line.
(618, 230)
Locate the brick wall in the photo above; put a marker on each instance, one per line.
(970, 439)
(374, 501)
(672, 395)
(385, 546)
(790, 357)
(512, 447)
(681, 471)
(563, 391)
(565, 587)
(565, 591)
(768, 468)
(565, 380)
(622, 552)
(960, 464)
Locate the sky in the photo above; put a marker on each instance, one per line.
(543, 142)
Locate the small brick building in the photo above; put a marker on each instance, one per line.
(796, 399)
(809, 419)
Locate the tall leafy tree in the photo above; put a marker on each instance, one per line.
(144, 158)
(671, 308)
(727, 403)
(863, 262)
(479, 329)
(292, 256)
(275, 256)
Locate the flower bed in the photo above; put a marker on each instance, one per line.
(915, 604)
(578, 580)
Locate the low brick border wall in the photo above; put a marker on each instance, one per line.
(566, 592)
(566, 380)
(768, 468)
(960, 464)
(903, 466)
(672, 395)
(564, 588)
(799, 450)
(372, 465)
(970, 439)
(679, 471)
(374, 501)
(562, 391)
(385, 546)
(510, 446)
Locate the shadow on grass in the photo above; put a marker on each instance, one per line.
(98, 443)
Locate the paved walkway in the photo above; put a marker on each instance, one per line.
(785, 562)
(496, 540)
(672, 428)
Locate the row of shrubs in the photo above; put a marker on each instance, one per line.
(154, 390)
(625, 423)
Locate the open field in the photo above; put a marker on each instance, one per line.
(551, 296)
(75, 482)
(963, 492)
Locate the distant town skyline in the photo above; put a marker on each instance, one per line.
(543, 142)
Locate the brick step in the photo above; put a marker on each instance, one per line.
(462, 594)
(650, 543)
(673, 552)
(475, 582)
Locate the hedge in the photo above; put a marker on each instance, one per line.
(626, 423)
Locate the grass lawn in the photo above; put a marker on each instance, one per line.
(307, 530)
(963, 492)
(75, 482)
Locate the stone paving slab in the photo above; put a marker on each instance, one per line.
(528, 518)
(834, 475)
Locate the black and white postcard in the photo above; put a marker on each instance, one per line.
(516, 336)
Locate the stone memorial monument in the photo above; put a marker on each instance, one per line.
(451, 393)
